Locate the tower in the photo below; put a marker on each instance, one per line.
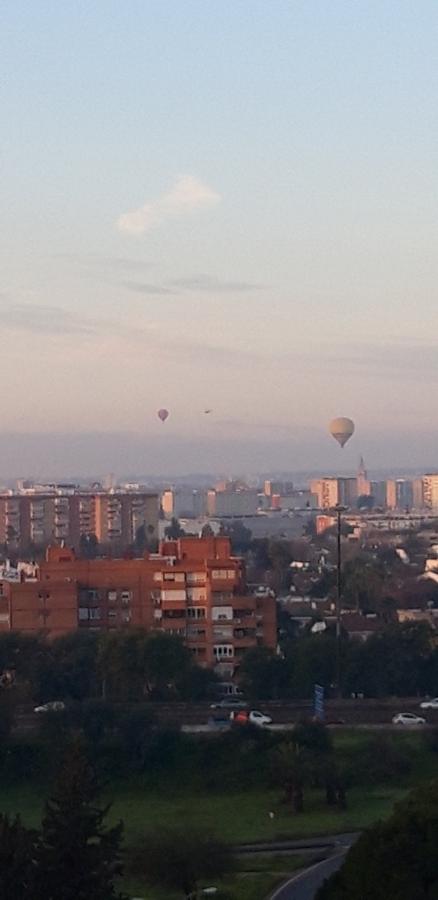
(363, 485)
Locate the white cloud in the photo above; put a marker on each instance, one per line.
(187, 196)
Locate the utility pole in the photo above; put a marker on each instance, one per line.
(338, 510)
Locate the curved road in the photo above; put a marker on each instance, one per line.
(305, 885)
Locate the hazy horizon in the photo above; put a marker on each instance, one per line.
(59, 455)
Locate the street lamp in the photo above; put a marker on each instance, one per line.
(339, 509)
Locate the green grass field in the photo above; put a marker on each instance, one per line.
(238, 815)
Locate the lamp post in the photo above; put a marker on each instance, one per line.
(339, 509)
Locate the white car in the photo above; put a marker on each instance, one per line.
(408, 719)
(259, 718)
(429, 704)
(55, 706)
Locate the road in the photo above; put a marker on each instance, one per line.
(305, 885)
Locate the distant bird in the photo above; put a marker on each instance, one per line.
(207, 411)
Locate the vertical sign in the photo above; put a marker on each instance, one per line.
(319, 702)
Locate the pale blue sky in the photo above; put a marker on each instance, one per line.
(285, 267)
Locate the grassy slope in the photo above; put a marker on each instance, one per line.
(238, 816)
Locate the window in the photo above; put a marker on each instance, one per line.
(112, 597)
(94, 613)
(83, 613)
(180, 576)
(112, 614)
(223, 650)
(223, 631)
(222, 613)
(196, 595)
(195, 577)
(169, 576)
(196, 612)
(126, 597)
(157, 576)
(219, 573)
(231, 573)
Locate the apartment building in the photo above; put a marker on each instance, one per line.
(399, 493)
(331, 491)
(430, 491)
(232, 503)
(193, 588)
(36, 519)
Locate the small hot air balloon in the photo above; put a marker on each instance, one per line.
(341, 429)
(163, 414)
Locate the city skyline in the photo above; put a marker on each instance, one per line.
(185, 227)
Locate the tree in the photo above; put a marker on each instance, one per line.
(78, 857)
(140, 542)
(18, 850)
(174, 531)
(396, 858)
(178, 859)
(88, 546)
(280, 557)
(239, 535)
(262, 674)
(68, 668)
(135, 663)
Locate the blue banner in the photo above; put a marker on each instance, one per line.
(319, 702)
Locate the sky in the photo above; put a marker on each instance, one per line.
(223, 205)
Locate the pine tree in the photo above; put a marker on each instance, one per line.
(79, 858)
(18, 848)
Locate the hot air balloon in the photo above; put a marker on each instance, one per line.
(163, 414)
(341, 429)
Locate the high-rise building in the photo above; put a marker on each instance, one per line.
(430, 491)
(223, 504)
(326, 491)
(398, 493)
(193, 588)
(417, 493)
(183, 503)
(332, 491)
(35, 519)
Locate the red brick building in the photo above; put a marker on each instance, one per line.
(193, 588)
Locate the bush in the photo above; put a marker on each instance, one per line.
(381, 760)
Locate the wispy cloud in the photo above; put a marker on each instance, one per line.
(46, 320)
(209, 284)
(405, 359)
(188, 195)
(140, 287)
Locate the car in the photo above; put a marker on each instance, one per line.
(408, 719)
(253, 717)
(258, 718)
(429, 704)
(229, 703)
(54, 706)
